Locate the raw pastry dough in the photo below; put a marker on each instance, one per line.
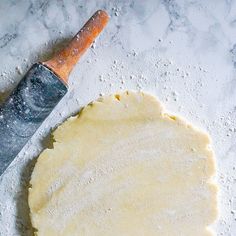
(124, 167)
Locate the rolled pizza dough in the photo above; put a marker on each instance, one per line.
(124, 167)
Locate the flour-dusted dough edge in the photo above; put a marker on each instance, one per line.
(156, 108)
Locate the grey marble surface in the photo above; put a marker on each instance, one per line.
(184, 52)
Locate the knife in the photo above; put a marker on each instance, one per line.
(40, 90)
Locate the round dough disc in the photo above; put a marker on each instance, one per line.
(124, 167)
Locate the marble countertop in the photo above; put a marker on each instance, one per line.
(184, 52)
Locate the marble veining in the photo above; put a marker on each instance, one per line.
(182, 51)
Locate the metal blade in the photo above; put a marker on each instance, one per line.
(26, 108)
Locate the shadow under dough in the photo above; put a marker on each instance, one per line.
(23, 223)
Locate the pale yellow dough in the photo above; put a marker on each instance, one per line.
(123, 167)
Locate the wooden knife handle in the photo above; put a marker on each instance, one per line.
(63, 62)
